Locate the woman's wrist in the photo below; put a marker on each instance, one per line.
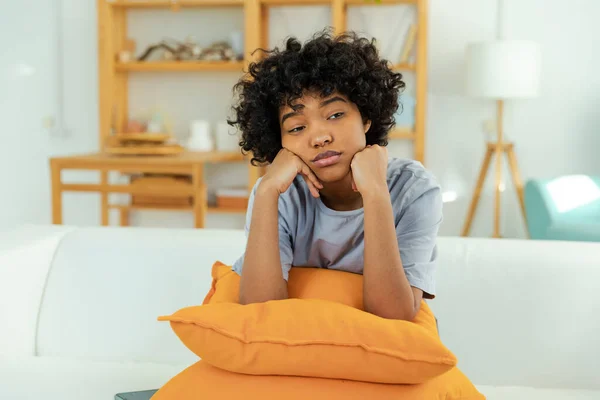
(267, 189)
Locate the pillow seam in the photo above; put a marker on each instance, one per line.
(447, 360)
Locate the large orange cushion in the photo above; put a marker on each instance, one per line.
(202, 381)
(321, 331)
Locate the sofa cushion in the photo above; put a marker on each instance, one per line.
(203, 381)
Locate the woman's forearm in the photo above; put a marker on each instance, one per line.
(262, 277)
(386, 292)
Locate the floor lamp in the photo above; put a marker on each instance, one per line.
(500, 70)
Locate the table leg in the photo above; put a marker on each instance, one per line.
(124, 217)
(104, 198)
(56, 193)
(200, 197)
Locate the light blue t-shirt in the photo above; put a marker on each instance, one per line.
(313, 235)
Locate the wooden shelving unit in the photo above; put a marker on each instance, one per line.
(113, 102)
(180, 66)
(175, 4)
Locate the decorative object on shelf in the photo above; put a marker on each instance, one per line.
(135, 126)
(200, 138)
(153, 137)
(155, 125)
(193, 47)
(501, 69)
(190, 50)
(232, 198)
(227, 138)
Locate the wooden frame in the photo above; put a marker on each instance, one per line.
(191, 164)
(113, 100)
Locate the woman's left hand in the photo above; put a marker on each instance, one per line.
(369, 170)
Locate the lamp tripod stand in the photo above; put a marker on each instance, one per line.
(499, 148)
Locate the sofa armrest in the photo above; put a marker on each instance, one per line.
(539, 208)
(26, 255)
(581, 231)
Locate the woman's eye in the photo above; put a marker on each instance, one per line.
(336, 115)
(296, 129)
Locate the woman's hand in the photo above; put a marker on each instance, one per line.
(369, 170)
(284, 169)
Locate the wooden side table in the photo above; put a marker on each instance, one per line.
(188, 163)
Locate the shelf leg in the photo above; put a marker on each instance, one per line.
(200, 196)
(56, 193)
(104, 198)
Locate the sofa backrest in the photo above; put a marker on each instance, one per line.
(521, 312)
(108, 286)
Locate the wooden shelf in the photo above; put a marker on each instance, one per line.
(175, 3)
(378, 2)
(157, 207)
(222, 210)
(402, 133)
(295, 2)
(181, 66)
(404, 67)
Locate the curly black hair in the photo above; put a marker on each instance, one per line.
(346, 63)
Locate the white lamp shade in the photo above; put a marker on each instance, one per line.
(503, 69)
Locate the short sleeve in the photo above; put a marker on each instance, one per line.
(417, 229)
(285, 237)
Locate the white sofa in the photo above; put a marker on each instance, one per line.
(78, 309)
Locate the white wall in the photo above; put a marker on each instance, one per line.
(560, 126)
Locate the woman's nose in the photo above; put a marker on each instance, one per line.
(321, 140)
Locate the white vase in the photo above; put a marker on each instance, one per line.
(200, 138)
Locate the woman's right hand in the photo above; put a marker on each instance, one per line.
(284, 169)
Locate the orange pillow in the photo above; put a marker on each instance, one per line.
(202, 381)
(303, 283)
(313, 338)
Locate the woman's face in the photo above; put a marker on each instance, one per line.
(325, 132)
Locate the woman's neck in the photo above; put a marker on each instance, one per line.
(339, 195)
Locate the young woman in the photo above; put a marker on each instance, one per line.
(320, 114)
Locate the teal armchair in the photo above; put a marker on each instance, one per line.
(563, 208)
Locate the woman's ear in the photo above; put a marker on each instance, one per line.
(367, 126)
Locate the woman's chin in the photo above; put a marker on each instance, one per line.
(332, 174)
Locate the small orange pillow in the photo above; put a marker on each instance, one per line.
(314, 338)
(202, 381)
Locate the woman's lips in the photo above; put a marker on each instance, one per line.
(327, 158)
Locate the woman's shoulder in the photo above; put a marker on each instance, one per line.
(409, 179)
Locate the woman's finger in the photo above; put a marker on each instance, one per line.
(313, 190)
(311, 175)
